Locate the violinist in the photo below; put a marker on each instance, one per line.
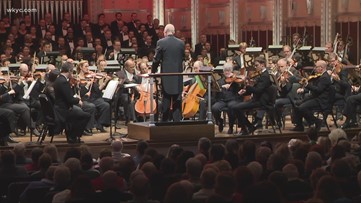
(70, 115)
(319, 98)
(229, 97)
(287, 77)
(13, 101)
(91, 94)
(261, 97)
(339, 78)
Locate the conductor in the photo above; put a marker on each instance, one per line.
(169, 53)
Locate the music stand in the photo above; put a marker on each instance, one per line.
(318, 53)
(231, 49)
(112, 69)
(250, 55)
(305, 51)
(51, 56)
(126, 53)
(93, 68)
(14, 68)
(108, 96)
(274, 50)
(41, 67)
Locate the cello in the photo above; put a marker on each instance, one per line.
(190, 103)
(142, 105)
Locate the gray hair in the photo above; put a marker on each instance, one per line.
(228, 66)
(169, 29)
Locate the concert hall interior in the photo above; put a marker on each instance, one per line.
(180, 101)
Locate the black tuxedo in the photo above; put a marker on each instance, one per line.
(319, 98)
(170, 53)
(72, 116)
(198, 50)
(262, 97)
(124, 95)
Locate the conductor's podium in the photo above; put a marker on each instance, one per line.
(171, 131)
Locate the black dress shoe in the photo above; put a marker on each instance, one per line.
(11, 140)
(298, 129)
(242, 133)
(35, 132)
(101, 129)
(230, 131)
(220, 125)
(87, 132)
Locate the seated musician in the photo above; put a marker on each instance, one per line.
(260, 98)
(339, 78)
(239, 60)
(229, 97)
(127, 76)
(7, 124)
(72, 117)
(91, 92)
(286, 77)
(15, 102)
(319, 97)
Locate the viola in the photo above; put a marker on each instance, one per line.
(234, 79)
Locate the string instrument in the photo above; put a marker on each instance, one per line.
(142, 105)
(294, 49)
(190, 103)
(335, 43)
(303, 81)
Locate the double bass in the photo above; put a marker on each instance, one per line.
(191, 101)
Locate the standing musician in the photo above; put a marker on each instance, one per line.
(319, 97)
(170, 53)
(91, 92)
(74, 118)
(287, 76)
(238, 60)
(229, 97)
(261, 96)
(128, 76)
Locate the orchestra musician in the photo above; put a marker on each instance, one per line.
(7, 124)
(350, 109)
(239, 59)
(72, 117)
(13, 100)
(343, 53)
(295, 40)
(261, 97)
(229, 97)
(339, 77)
(128, 76)
(319, 97)
(287, 76)
(91, 92)
(202, 102)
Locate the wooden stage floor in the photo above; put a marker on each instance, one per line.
(101, 139)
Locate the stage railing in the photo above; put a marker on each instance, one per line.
(156, 75)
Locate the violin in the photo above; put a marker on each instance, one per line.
(234, 79)
(303, 81)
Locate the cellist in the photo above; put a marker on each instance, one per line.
(202, 100)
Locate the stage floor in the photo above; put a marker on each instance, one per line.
(102, 138)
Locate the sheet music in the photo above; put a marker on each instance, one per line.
(27, 93)
(110, 89)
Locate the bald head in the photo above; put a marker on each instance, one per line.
(23, 69)
(169, 29)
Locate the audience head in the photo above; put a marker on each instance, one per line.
(117, 146)
(204, 145)
(336, 135)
